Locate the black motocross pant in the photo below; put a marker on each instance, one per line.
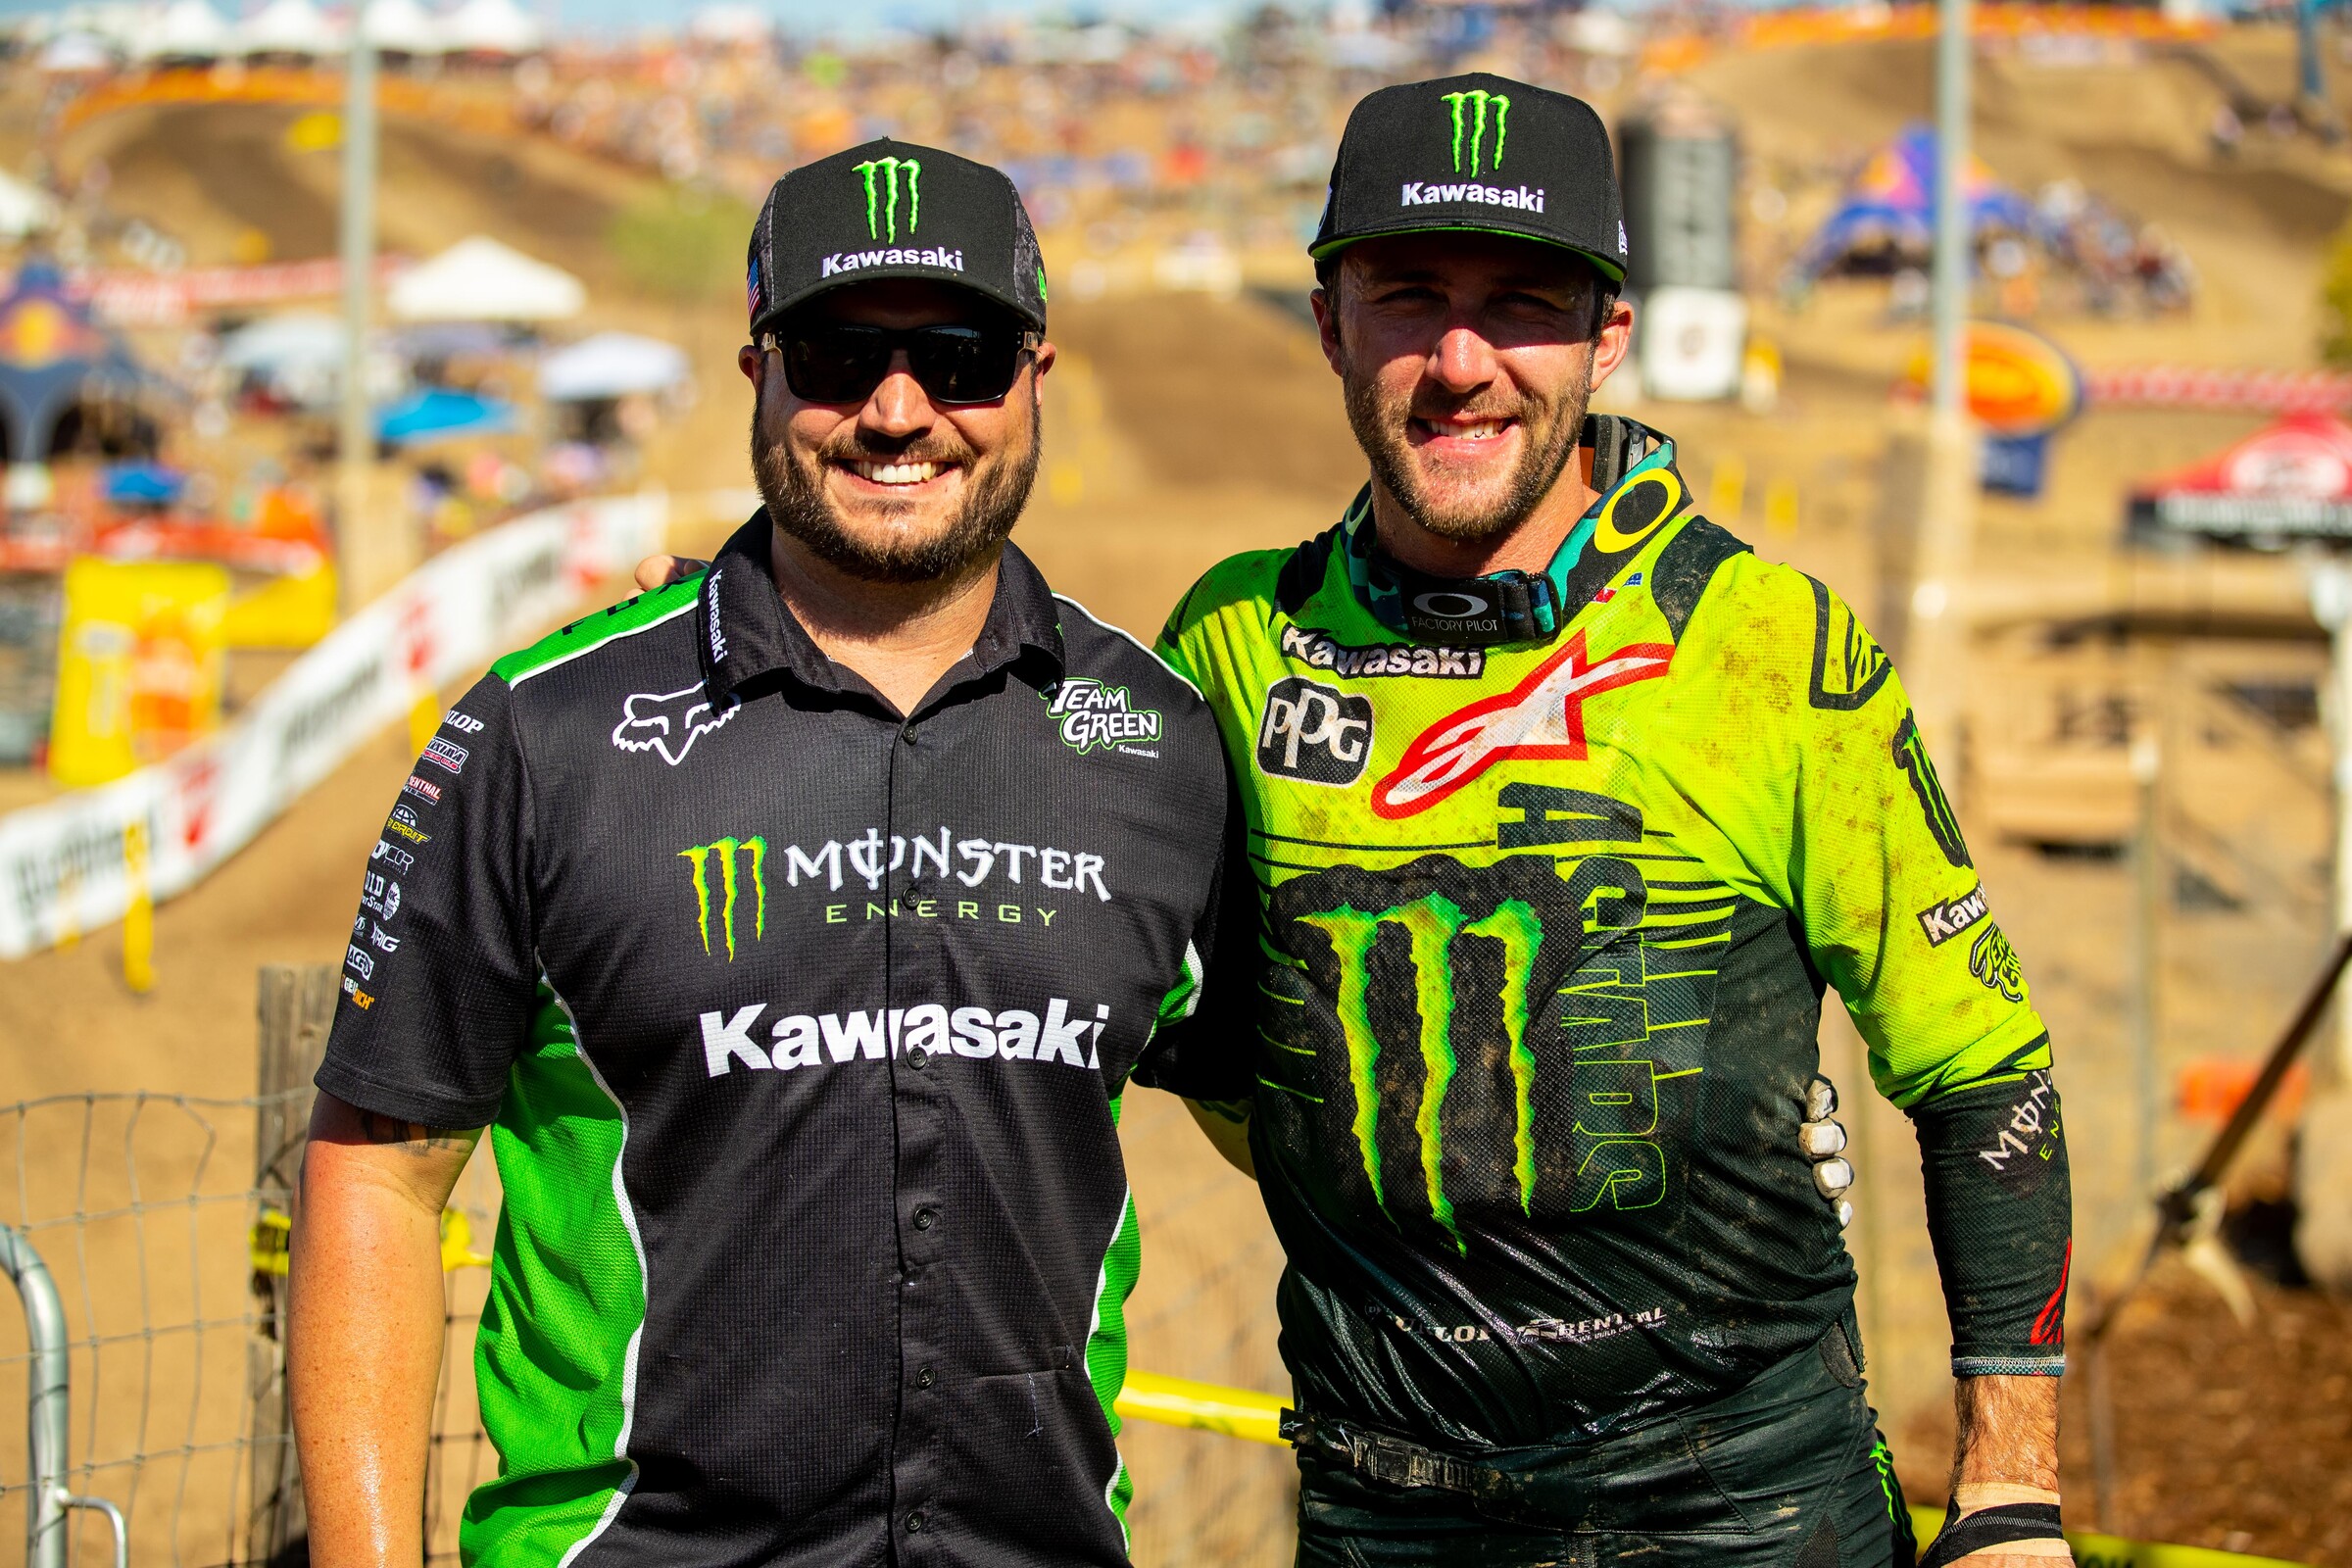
(1790, 1472)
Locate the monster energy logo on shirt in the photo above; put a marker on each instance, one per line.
(730, 854)
(1476, 103)
(1458, 984)
(881, 177)
(1911, 755)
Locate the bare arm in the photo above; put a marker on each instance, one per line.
(2007, 1452)
(364, 1345)
(1227, 1124)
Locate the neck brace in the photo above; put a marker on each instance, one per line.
(1502, 607)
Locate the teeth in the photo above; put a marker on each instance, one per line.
(1485, 430)
(897, 472)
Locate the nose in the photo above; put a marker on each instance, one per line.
(898, 406)
(1463, 360)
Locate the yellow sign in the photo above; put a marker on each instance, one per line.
(283, 612)
(140, 661)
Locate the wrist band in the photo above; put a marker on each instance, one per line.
(1963, 1534)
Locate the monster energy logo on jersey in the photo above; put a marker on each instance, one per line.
(1507, 1006)
(1911, 755)
(731, 854)
(1477, 104)
(881, 177)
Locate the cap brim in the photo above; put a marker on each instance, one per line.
(1610, 267)
(878, 274)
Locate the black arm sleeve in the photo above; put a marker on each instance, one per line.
(2000, 1212)
(440, 978)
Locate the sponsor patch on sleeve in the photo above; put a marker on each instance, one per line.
(1946, 921)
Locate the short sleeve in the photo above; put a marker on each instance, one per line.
(439, 977)
(1887, 891)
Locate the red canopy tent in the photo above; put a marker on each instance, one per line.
(2290, 481)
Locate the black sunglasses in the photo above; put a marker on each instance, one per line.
(841, 362)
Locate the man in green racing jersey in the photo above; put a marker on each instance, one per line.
(1563, 810)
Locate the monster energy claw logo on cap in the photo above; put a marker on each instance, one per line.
(881, 177)
(1477, 101)
(890, 209)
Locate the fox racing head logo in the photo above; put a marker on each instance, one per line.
(668, 722)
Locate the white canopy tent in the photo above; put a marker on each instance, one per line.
(404, 27)
(478, 280)
(610, 365)
(74, 53)
(23, 208)
(188, 30)
(493, 27)
(290, 27)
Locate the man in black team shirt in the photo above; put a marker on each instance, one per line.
(795, 930)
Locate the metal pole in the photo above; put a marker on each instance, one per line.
(355, 452)
(1936, 641)
(2145, 764)
(1952, 249)
(46, 1402)
(2307, 50)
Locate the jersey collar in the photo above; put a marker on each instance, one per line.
(747, 632)
(1641, 490)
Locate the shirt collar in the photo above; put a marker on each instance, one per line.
(1623, 450)
(748, 632)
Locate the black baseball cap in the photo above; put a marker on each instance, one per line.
(1476, 154)
(891, 209)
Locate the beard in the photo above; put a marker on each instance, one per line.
(1550, 430)
(994, 492)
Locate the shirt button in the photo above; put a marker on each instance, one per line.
(910, 732)
(914, 1523)
(924, 1216)
(916, 1056)
(924, 1379)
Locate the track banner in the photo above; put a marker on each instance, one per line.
(62, 863)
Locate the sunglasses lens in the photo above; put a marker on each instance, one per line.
(836, 364)
(963, 364)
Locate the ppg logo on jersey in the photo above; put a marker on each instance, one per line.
(1313, 733)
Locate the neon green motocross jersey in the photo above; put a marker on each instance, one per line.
(1546, 928)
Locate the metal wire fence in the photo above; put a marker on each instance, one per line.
(162, 1221)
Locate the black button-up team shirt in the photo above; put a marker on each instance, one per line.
(802, 1026)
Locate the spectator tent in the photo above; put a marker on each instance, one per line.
(2290, 481)
(1887, 219)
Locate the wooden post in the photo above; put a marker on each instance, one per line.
(296, 1006)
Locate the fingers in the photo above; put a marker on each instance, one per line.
(1822, 1140)
(660, 571)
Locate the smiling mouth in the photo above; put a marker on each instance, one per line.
(895, 475)
(1470, 431)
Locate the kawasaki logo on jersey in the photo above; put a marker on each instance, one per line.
(881, 177)
(1540, 718)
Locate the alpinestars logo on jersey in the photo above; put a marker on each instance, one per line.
(1542, 718)
(1468, 115)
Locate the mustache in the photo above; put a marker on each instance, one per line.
(858, 447)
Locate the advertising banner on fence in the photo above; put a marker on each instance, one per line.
(61, 862)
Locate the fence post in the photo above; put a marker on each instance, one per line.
(45, 1534)
(295, 1006)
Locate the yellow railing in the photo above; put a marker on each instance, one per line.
(1255, 1416)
